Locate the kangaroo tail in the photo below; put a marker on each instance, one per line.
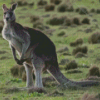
(61, 79)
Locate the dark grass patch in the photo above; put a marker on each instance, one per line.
(62, 8)
(63, 49)
(94, 38)
(12, 90)
(38, 25)
(57, 20)
(94, 71)
(76, 21)
(83, 11)
(68, 22)
(39, 90)
(61, 33)
(96, 78)
(56, 2)
(3, 52)
(70, 9)
(34, 18)
(63, 61)
(55, 93)
(31, 4)
(74, 71)
(4, 57)
(50, 7)
(22, 3)
(42, 3)
(83, 49)
(80, 55)
(92, 10)
(71, 65)
(77, 42)
(77, 9)
(98, 11)
(86, 21)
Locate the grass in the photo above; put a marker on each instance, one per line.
(73, 33)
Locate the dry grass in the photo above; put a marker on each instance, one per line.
(57, 20)
(71, 65)
(42, 3)
(94, 38)
(83, 49)
(86, 21)
(50, 7)
(94, 71)
(56, 2)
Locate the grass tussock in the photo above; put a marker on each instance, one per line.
(94, 38)
(76, 21)
(22, 3)
(71, 65)
(86, 21)
(62, 8)
(62, 33)
(38, 25)
(68, 22)
(42, 3)
(34, 18)
(98, 11)
(77, 10)
(83, 49)
(94, 71)
(56, 2)
(50, 7)
(57, 20)
(92, 10)
(70, 9)
(77, 42)
(83, 11)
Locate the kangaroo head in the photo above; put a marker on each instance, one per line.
(9, 14)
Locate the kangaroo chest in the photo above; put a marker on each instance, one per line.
(8, 34)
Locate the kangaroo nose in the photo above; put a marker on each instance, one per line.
(7, 18)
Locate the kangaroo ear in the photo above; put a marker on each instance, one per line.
(4, 7)
(14, 6)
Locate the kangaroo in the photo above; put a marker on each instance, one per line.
(36, 51)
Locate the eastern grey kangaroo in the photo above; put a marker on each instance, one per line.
(36, 51)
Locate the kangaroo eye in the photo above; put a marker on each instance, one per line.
(11, 13)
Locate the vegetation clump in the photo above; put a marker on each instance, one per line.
(92, 10)
(42, 3)
(62, 8)
(98, 11)
(80, 55)
(86, 21)
(61, 33)
(94, 38)
(68, 22)
(38, 25)
(34, 18)
(77, 42)
(50, 7)
(83, 49)
(76, 21)
(71, 65)
(70, 9)
(56, 2)
(94, 71)
(77, 9)
(57, 20)
(22, 3)
(83, 11)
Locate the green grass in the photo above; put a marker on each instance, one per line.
(72, 33)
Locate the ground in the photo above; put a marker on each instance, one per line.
(72, 33)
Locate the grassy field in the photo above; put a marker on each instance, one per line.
(23, 14)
